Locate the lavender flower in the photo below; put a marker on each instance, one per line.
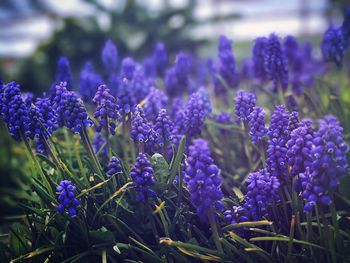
(257, 124)
(203, 180)
(110, 56)
(244, 104)
(114, 166)
(107, 110)
(66, 198)
(276, 63)
(142, 175)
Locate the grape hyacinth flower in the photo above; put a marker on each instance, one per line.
(63, 73)
(202, 178)
(140, 85)
(176, 79)
(333, 45)
(163, 129)
(142, 175)
(126, 96)
(107, 110)
(257, 124)
(299, 150)
(141, 130)
(262, 192)
(160, 58)
(259, 51)
(204, 97)
(70, 109)
(244, 104)
(89, 81)
(293, 121)
(276, 63)
(98, 143)
(155, 101)
(114, 166)
(110, 56)
(225, 67)
(66, 198)
(328, 166)
(223, 118)
(194, 115)
(278, 136)
(14, 111)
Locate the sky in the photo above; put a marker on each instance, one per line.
(258, 18)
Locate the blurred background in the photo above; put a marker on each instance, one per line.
(35, 33)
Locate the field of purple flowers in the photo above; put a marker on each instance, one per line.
(185, 160)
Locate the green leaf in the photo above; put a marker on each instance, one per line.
(161, 168)
(177, 162)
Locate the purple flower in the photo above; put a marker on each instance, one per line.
(114, 166)
(223, 118)
(299, 150)
(70, 109)
(278, 136)
(142, 175)
(63, 73)
(257, 124)
(333, 45)
(293, 122)
(98, 143)
(244, 104)
(126, 95)
(66, 198)
(259, 51)
(107, 110)
(176, 79)
(110, 56)
(202, 178)
(163, 129)
(276, 63)
(89, 81)
(225, 67)
(194, 115)
(262, 191)
(160, 58)
(155, 101)
(141, 130)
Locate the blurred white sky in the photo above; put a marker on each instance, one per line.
(259, 17)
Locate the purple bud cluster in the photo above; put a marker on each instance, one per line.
(70, 109)
(293, 121)
(225, 67)
(163, 129)
(141, 130)
(114, 166)
(329, 163)
(299, 150)
(142, 175)
(278, 136)
(257, 124)
(259, 51)
(110, 56)
(155, 101)
(276, 63)
(223, 118)
(107, 110)
(202, 178)
(66, 198)
(194, 115)
(333, 45)
(244, 104)
(98, 143)
(63, 73)
(89, 81)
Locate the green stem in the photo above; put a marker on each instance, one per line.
(338, 237)
(86, 142)
(214, 230)
(291, 237)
